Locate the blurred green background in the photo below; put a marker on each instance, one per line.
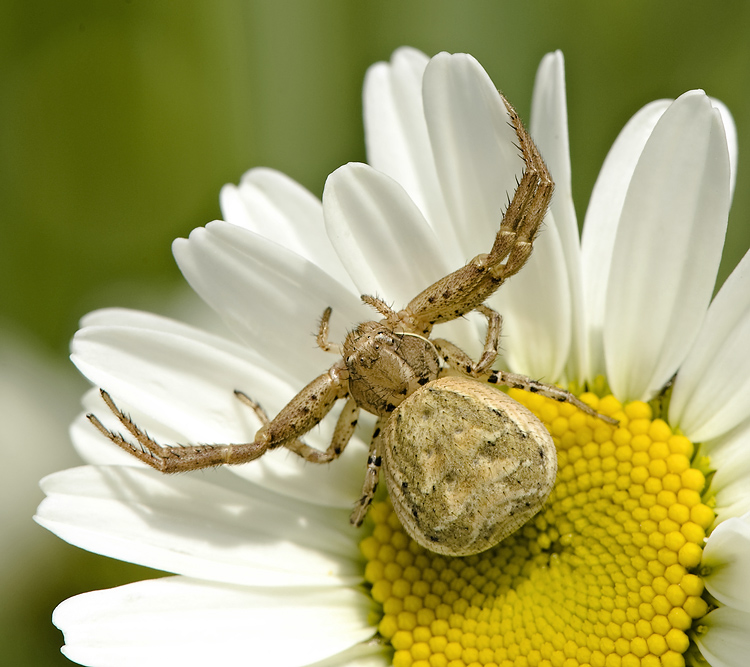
(120, 121)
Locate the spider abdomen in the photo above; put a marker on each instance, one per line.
(465, 465)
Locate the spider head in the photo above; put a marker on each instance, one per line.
(364, 345)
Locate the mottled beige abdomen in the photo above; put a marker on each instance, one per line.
(465, 465)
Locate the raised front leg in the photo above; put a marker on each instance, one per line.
(303, 412)
(468, 287)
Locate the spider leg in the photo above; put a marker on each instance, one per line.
(175, 458)
(303, 412)
(457, 359)
(322, 338)
(390, 315)
(552, 391)
(342, 434)
(463, 290)
(374, 461)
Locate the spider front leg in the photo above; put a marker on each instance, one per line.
(303, 412)
(468, 287)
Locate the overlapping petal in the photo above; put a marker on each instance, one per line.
(727, 558)
(549, 128)
(200, 527)
(602, 220)
(712, 390)
(398, 143)
(177, 620)
(381, 236)
(724, 641)
(722, 636)
(730, 458)
(473, 143)
(269, 296)
(667, 248)
(279, 209)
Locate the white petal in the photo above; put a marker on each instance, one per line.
(125, 317)
(397, 140)
(727, 557)
(372, 654)
(603, 217)
(278, 208)
(179, 621)
(549, 128)
(729, 451)
(725, 641)
(380, 234)
(667, 249)
(473, 143)
(549, 123)
(730, 458)
(732, 501)
(732, 496)
(731, 131)
(269, 296)
(712, 390)
(396, 134)
(188, 525)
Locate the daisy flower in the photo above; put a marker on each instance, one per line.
(640, 555)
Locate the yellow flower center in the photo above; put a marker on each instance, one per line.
(601, 576)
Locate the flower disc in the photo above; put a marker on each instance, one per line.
(601, 576)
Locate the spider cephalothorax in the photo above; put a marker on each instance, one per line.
(465, 464)
(386, 366)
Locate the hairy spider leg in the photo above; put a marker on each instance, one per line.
(295, 419)
(455, 358)
(342, 433)
(468, 287)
